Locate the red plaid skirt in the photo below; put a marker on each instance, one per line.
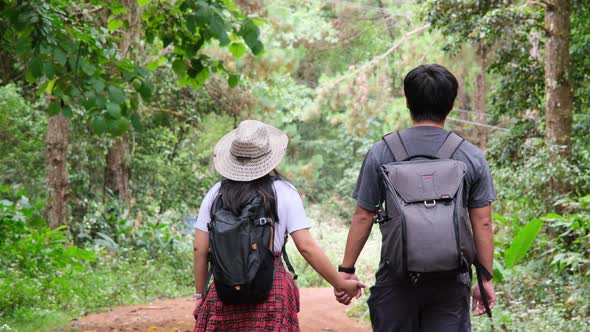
(278, 313)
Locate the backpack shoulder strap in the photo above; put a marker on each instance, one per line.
(396, 146)
(216, 205)
(275, 206)
(449, 146)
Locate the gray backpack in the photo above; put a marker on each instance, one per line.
(427, 230)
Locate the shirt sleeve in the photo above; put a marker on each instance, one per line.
(482, 191)
(291, 203)
(369, 188)
(205, 210)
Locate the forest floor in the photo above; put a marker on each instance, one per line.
(319, 312)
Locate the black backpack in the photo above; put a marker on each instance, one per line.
(242, 260)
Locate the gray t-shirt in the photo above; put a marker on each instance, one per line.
(426, 140)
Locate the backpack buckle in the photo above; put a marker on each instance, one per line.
(430, 204)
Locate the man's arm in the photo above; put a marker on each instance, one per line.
(483, 235)
(362, 223)
(358, 233)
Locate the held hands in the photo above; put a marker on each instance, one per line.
(477, 302)
(350, 288)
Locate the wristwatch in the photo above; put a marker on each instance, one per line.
(197, 296)
(349, 270)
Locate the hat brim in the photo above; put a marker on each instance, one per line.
(248, 169)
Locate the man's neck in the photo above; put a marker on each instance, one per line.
(429, 124)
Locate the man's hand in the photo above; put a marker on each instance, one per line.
(341, 296)
(477, 304)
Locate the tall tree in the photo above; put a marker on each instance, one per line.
(56, 169)
(117, 165)
(498, 29)
(479, 93)
(558, 95)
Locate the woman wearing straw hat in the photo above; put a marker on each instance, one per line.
(246, 158)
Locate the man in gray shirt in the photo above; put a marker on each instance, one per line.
(433, 305)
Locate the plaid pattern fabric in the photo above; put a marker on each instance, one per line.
(278, 313)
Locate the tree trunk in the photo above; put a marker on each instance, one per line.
(558, 96)
(118, 167)
(479, 96)
(462, 98)
(56, 170)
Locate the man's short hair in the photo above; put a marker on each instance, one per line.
(430, 92)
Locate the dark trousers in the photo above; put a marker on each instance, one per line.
(441, 306)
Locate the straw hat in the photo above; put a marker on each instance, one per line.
(249, 152)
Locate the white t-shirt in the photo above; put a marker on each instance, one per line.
(289, 207)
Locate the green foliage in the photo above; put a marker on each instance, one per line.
(522, 242)
(571, 249)
(21, 159)
(47, 279)
(38, 259)
(79, 65)
(521, 172)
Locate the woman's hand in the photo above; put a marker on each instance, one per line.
(341, 296)
(351, 287)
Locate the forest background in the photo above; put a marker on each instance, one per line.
(109, 111)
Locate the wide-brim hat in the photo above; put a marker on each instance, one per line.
(250, 151)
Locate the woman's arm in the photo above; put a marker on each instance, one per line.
(314, 255)
(201, 250)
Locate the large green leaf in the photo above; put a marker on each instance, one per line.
(257, 48)
(67, 112)
(146, 89)
(36, 67)
(116, 94)
(250, 32)
(118, 127)
(136, 122)
(115, 24)
(114, 110)
(522, 242)
(54, 107)
(49, 70)
(98, 124)
(59, 56)
(217, 26)
(233, 80)
(179, 67)
(237, 50)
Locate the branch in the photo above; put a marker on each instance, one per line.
(540, 3)
(542, 27)
(167, 111)
(378, 58)
(165, 51)
(76, 82)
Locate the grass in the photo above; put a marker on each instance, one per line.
(113, 281)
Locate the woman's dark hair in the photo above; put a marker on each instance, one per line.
(237, 194)
(430, 92)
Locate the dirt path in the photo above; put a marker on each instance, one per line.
(319, 312)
